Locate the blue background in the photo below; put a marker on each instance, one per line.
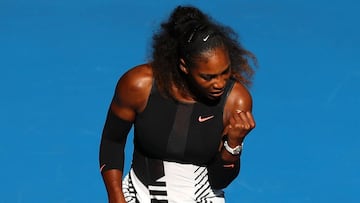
(60, 61)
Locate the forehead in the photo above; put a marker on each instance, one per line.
(213, 61)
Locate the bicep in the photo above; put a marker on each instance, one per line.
(123, 111)
(130, 96)
(122, 105)
(243, 102)
(239, 99)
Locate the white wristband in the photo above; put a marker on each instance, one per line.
(234, 151)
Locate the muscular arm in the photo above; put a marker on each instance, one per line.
(238, 119)
(238, 122)
(130, 98)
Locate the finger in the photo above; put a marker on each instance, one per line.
(248, 119)
(226, 130)
(237, 119)
(244, 120)
(237, 115)
(234, 119)
(251, 119)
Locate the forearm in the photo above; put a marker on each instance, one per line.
(222, 172)
(225, 167)
(111, 156)
(113, 182)
(226, 155)
(113, 140)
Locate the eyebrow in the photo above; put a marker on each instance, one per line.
(214, 75)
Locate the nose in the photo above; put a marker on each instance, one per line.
(220, 83)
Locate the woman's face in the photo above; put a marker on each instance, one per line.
(210, 73)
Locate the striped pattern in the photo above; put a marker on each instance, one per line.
(129, 190)
(158, 192)
(182, 183)
(203, 191)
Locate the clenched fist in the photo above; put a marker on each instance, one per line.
(240, 124)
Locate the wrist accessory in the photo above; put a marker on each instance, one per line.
(234, 151)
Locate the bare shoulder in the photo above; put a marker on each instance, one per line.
(133, 88)
(238, 99)
(137, 78)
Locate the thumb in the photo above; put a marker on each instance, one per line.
(226, 130)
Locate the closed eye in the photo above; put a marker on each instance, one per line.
(209, 77)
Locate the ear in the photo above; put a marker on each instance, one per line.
(183, 67)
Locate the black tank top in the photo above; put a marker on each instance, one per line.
(181, 132)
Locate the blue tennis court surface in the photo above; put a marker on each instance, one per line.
(60, 61)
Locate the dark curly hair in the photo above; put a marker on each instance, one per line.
(187, 34)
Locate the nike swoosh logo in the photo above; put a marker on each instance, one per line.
(206, 38)
(229, 165)
(203, 119)
(102, 167)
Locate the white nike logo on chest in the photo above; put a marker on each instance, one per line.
(205, 118)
